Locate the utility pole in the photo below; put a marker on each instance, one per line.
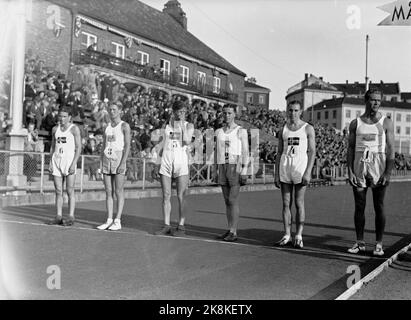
(367, 38)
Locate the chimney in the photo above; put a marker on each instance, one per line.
(321, 78)
(346, 81)
(174, 10)
(306, 77)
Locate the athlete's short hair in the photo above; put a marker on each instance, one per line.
(293, 102)
(67, 110)
(370, 92)
(178, 105)
(232, 106)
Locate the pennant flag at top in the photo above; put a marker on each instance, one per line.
(400, 13)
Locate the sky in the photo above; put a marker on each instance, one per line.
(278, 41)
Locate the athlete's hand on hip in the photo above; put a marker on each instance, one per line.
(384, 180)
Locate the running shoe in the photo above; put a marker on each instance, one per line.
(298, 242)
(284, 240)
(55, 221)
(378, 250)
(357, 247)
(69, 222)
(166, 231)
(180, 231)
(231, 237)
(105, 225)
(222, 236)
(115, 226)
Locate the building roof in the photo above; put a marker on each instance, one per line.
(359, 88)
(142, 20)
(405, 95)
(254, 86)
(338, 102)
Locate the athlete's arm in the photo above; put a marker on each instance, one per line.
(311, 155)
(350, 153)
(187, 134)
(277, 158)
(389, 151)
(77, 148)
(158, 135)
(52, 148)
(244, 151)
(126, 150)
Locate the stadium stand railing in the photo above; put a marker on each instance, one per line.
(141, 173)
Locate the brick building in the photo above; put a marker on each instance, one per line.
(130, 35)
(256, 96)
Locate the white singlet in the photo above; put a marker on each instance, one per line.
(64, 151)
(174, 160)
(294, 159)
(370, 156)
(113, 152)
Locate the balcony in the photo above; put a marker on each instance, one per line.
(97, 58)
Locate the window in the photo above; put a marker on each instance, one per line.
(326, 115)
(389, 115)
(335, 125)
(87, 39)
(216, 84)
(261, 99)
(334, 114)
(183, 74)
(201, 77)
(398, 117)
(408, 118)
(118, 50)
(165, 67)
(142, 58)
(407, 131)
(318, 115)
(249, 98)
(394, 99)
(348, 113)
(398, 130)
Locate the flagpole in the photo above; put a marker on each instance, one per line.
(366, 62)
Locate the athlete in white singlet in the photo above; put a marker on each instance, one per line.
(370, 159)
(177, 135)
(116, 147)
(232, 155)
(293, 166)
(65, 151)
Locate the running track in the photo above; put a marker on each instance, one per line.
(134, 264)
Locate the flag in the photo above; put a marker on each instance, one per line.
(128, 41)
(399, 13)
(77, 27)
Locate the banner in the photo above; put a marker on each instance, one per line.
(400, 13)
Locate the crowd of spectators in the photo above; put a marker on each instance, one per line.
(269, 121)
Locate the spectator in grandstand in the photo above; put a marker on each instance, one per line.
(51, 119)
(91, 164)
